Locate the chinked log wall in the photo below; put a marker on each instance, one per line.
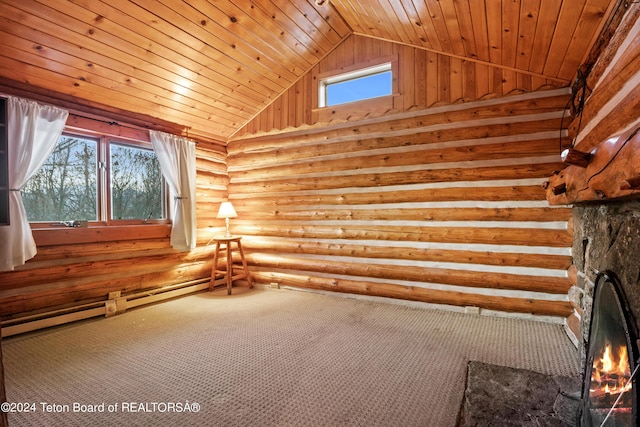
(605, 129)
(75, 267)
(424, 79)
(444, 205)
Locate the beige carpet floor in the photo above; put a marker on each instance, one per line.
(267, 357)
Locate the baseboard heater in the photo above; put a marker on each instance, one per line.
(115, 303)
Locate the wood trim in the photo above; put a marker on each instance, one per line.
(76, 235)
(82, 124)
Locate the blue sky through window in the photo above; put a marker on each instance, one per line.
(360, 88)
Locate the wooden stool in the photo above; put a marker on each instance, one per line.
(224, 244)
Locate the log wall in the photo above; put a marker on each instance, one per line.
(607, 130)
(443, 205)
(76, 266)
(422, 79)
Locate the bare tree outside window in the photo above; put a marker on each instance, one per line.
(65, 187)
(136, 183)
(70, 184)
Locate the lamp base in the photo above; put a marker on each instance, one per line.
(227, 232)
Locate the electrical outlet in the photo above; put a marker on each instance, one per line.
(472, 310)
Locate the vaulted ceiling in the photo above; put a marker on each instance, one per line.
(207, 67)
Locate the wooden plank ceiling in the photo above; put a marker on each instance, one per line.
(210, 66)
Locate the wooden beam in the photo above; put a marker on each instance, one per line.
(412, 293)
(377, 179)
(293, 246)
(611, 173)
(374, 213)
(496, 236)
(379, 270)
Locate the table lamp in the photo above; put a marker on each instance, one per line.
(226, 211)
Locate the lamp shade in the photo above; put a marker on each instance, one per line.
(226, 211)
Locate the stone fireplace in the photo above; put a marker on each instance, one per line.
(609, 392)
(607, 255)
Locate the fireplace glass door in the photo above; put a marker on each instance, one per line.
(609, 391)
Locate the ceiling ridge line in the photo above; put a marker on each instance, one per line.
(464, 58)
(307, 71)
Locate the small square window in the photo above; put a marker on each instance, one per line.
(367, 83)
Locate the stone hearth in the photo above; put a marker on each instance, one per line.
(606, 239)
(503, 396)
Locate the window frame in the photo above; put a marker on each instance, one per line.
(357, 73)
(371, 107)
(103, 178)
(109, 220)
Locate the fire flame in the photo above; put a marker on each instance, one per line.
(610, 374)
(607, 363)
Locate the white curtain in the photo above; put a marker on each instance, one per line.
(177, 156)
(33, 132)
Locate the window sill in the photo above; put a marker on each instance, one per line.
(58, 236)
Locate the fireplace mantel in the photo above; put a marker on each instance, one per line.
(609, 171)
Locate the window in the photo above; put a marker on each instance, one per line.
(97, 179)
(366, 83)
(136, 183)
(65, 188)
